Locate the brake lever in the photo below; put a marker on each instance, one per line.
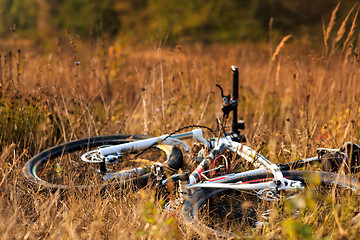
(226, 99)
(222, 91)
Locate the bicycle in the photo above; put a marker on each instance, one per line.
(211, 191)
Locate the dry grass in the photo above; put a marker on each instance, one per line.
(330, 26)
(303, 101)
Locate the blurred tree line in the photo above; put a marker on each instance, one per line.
(173, 20)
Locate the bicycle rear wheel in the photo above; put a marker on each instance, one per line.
(61, 167)
(229, 213)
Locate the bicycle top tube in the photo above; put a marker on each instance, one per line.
(164, 139)
(196, 134)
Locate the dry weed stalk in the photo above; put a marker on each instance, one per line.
(347, 44)
(278, 48)
(341, 31)
(351, 32)
(331, 24)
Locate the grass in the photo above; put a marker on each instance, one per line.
(293, 101)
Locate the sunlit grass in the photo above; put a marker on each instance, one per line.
(292, 100)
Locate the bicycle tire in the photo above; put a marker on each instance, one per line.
(208, 202)
(56, 168)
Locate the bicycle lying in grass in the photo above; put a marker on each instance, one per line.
(218, 197)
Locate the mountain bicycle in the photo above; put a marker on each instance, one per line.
(217, 197)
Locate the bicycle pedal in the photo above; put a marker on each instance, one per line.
(158, 170)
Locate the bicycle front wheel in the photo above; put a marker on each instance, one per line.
(229, 213)
(61, 167)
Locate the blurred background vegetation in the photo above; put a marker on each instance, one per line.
(172, 21)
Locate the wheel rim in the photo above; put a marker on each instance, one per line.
(64, 168)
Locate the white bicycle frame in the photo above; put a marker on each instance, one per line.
(164, 139)
(244, 151)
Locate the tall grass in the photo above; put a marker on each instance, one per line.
(308, 99)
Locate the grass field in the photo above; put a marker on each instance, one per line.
(293, 99)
